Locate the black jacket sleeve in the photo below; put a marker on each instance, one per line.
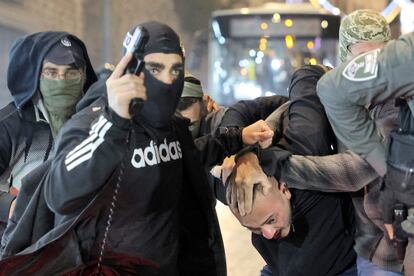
(223, 142)
(88, 151)
(6, 146)
(244, 113)
(306, 130)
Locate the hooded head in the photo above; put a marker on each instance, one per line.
(26, 60)
(164, 74)
(362, 26)
(54, 65)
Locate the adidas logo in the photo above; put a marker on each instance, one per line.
(155, 154)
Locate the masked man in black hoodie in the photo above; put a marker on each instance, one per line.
(129, 193)
(48, 73)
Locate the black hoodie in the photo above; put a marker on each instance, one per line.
(25, 136)
(26, 58)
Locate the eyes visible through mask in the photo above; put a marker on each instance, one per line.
(164, 67)
(53, 71)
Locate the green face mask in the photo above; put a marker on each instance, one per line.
(60, 98)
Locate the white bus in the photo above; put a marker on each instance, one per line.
(254, 51)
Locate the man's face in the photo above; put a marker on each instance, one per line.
(56, 72)
(164, 67)
(363, 47)
(193, 112)
(271, 214)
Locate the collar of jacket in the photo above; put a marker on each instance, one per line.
(33, 113)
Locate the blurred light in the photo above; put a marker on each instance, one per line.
(391, 11)
(328, 6)
(288, 23)
(247, 90)
(281, 76)
(313, 61)
(264, 26)
(289, 41)
(244, 11)
(260, 54)
(252, 53)
(243, 71)
(243, 63)
(217, 64)
(216, 29)
(326, 62)
(310, 45)
(317, 45)
(258, 60)
(336, 11)
(226, 88)
(406, 18)
(221, 40)
(263, 44)
(324, 24)
(269, 93)
(276, 18)
(223, 74)
(276, 64)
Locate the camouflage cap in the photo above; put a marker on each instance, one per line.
(192, 87)
(362, 25)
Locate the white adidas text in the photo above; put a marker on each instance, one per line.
(155, 154)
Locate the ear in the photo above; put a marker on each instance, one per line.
(284, 190)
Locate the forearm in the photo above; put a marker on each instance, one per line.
(244, 113)
(221, 143)
(344, 172)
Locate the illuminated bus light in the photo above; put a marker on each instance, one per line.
(244, 10)
(313, 61)
(276, 18)
(327, 5)
(276, 64)
(262, 47)
(407, 18)
(243, 63)
(324, 24)
(288, 23)
(264, 26)
(289, 41)
(243, 71)
(263, 40)
(216, 29)
(252, 53)
(310, 45)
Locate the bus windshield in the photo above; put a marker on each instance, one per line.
(245, 64)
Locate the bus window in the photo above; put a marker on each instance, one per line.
(252, 55)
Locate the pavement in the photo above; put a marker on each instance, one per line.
(242, 258)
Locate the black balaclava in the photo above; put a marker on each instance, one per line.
(162, 98)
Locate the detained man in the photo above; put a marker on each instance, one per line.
(297, 232)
